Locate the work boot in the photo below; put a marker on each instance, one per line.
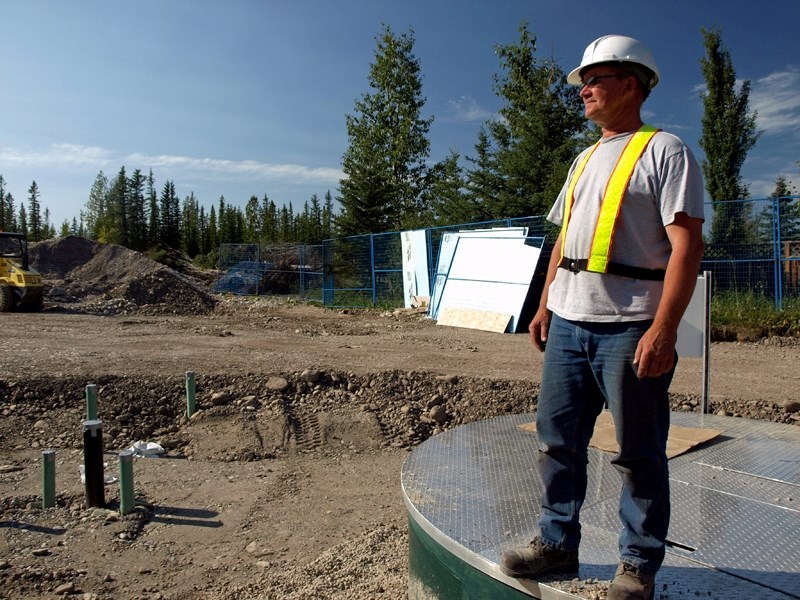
(537, 559)
(631, 583)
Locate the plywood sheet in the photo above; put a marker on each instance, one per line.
(474, 319)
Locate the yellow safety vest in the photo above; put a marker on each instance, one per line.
(612, 199)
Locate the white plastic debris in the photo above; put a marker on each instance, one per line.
(146, 449)
(106, 478)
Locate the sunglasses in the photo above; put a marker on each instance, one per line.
(592, 82)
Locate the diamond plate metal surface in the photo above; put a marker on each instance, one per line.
(735, 534)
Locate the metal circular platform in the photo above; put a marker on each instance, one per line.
(474, 491)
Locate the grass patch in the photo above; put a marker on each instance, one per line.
(747, 317)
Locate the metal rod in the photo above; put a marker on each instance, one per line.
(191, 403)
(93, 463)
(126, 500)
(707, 280)
(91, 402)
(48, 478)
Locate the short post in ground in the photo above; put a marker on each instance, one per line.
(191, 403)
(48, 478)
(93, 463)
(126, 500)
(91, 402)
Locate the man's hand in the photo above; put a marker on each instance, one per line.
(655, 354)
(539, 327)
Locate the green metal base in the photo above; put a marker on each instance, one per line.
(433, 572)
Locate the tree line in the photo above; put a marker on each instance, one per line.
(520, 161)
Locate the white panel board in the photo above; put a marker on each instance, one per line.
(692, 328)
(414, 245)
(490, 274)
(447, 248)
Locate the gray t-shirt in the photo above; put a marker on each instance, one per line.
(665, 181)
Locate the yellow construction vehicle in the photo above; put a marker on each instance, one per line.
(19, 284)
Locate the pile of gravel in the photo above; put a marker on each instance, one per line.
(91, 277)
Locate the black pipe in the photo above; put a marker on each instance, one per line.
(93, 463)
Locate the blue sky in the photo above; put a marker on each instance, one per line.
(249, 97)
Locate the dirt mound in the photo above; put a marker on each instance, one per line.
(102, 278)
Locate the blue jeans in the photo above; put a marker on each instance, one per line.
(587, 365)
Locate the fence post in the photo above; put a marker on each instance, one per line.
(372, 268)
(776, 253)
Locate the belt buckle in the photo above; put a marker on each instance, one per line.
(573, 266)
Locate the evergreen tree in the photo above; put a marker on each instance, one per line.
(47, 229)
(225, 232)
(484, 181)
(269, 216)
(137, 221)
(205, 245)
(729, 132)
(4, 221)
(34, 214)
(213, 233)
(785, 194)
(169, 227)
(190, 226)
(388, 144)
(96, 214)
(152, 212)
(23, 220)
(118, 232)
(448, 201)
(523, 160)
(315, 235)
(328, 217)
(252, 221)
(285, 225)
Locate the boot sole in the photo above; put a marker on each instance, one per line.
(570, 568)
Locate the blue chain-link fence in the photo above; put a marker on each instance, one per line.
(254, 270)
(755, 255)
(753, 249)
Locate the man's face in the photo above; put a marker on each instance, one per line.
(603, 94)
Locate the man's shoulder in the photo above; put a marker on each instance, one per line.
(667, 139)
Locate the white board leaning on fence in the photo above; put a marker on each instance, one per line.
(447, 250)
(487, 282)
(414, 246)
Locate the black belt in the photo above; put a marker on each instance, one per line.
(579, 264)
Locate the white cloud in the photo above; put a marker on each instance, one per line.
(244, 168)
(466, 109)
(776, 98)
(64, 155)
(56, 155)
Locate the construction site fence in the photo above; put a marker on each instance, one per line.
(757, 260)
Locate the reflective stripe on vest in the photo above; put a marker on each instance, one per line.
(612, 198)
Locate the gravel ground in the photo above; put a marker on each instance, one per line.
(285, 482)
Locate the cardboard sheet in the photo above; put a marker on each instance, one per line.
(474, 319)
(680, 440)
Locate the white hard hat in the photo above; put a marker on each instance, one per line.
(619, 49)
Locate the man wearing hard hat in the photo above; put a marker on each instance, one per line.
(622, 272)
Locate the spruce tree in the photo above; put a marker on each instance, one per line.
(524, 156)
(152, 212)
(388, 144)
(97, 215)
(136, 220)
(34, 214)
